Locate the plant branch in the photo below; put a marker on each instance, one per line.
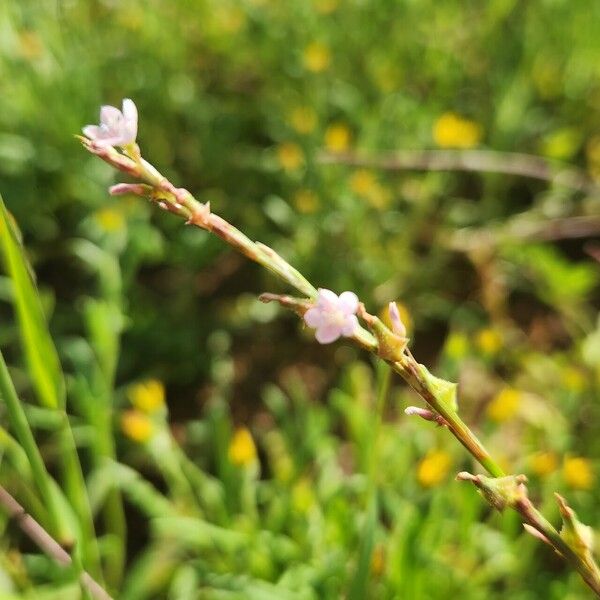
(478, 161)
(45, 542)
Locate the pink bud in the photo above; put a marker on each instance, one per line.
(536, 534)
(426, 414)
(398, 326)
(139, 189)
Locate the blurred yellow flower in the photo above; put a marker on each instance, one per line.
(147, 396)
(290, 156)
(317, 57)
(303, 119)
(453, 131)
(137, 426)
(378, 561)
(384, 315)
(110, 219)
(543, 463)
(362, 182)
(488, 340)
(337, 137)
(504, 405)
(434, 468)
(457, 345)
(326, 7)
(306, 201)
(578, 472)
(242, 450)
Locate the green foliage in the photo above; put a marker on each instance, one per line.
(260, 474)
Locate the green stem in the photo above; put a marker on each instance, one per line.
(18, 421)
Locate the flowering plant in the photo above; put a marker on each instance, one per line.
(333, 316)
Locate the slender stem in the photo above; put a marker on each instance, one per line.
(509, 163)
(18, 421)
(47, 543)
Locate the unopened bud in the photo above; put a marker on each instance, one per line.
(500, 492)
(138, 189)
(536, 534)
(398, 326)
(426, 414)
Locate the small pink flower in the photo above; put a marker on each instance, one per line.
(117, 128)
(333, 316)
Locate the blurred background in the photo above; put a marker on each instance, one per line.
(283, 115)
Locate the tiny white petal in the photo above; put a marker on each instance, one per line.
(92, 131)
(348, 302)
(327, 297)
(350, 325)
(327, 334)
(313, 317)
(110, 116)
(130, 110)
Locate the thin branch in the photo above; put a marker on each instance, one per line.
(480, 161)
(45, 542)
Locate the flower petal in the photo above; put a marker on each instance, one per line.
(327, 298)
(110, 116)
(92, 131)
(348, 303)
(130, 113)
(350, 325)
(327, 334)
(313, 317)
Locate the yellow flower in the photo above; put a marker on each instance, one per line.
(433, 469)
(362, 182)
(290, 156)
(504, 405)
(317, 57)
(326, 7)
(578, 472)
(303, 119)
(453, 131)
(137, 426)
(543, 463)
(488, 340)
(306, 201)
(242, 450)
(337, 137)
(457, 345)
(110, 219)
(147, 396)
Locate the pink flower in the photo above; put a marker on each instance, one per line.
(117, 128)
(333, 316)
